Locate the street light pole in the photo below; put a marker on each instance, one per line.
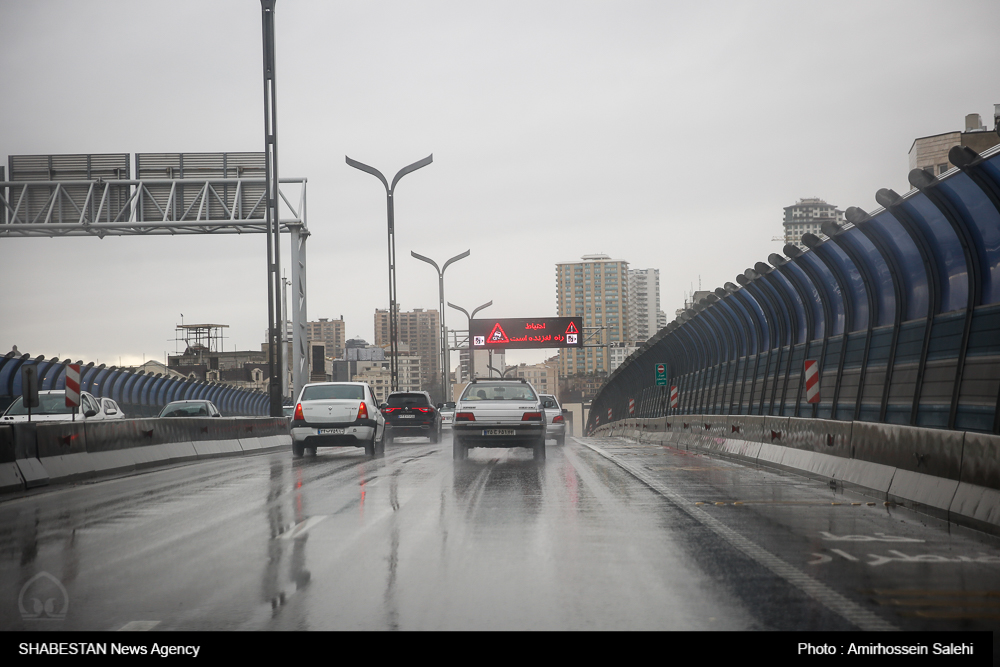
(472, 357)
(445, 375)
(271, 208)
(389, 189)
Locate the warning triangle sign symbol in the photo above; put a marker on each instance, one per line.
(571, 328)
(498, 335)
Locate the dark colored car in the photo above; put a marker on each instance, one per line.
(411, 413)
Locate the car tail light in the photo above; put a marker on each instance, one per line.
(557, 419)
(531, 416)
(424, 409)
(465, 417)
(384, 410)
(298, 413)
(363, 411)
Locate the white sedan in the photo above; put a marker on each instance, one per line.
(52, 407)
(337, 414)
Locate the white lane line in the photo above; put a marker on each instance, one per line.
(820, 592)
(301, 527)
(138, 626)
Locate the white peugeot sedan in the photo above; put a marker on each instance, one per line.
(52, 407)
(494, 412)
(337, 414)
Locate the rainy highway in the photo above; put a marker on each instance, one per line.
(605, 534)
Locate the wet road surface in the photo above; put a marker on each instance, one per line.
(605, 534)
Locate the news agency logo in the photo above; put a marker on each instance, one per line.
(43, 598)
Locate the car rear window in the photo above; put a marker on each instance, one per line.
(406, 400)
(323, 392)
(186, 410)
(482, 391)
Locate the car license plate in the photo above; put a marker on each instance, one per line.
(499, 431)
(406, 416)
(330, 431)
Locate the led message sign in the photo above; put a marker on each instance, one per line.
(526, 333)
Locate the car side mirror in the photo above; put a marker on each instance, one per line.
(440, 405)
(383, 406)
(90, 413)
(111, 411)
(217, 414)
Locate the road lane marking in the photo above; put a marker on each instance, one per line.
(138, 626)
(829, 598)
(301, 527)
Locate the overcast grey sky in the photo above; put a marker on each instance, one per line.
(668, 134)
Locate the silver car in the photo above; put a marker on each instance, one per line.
(337, 414)
(498, 413)
(555, 423)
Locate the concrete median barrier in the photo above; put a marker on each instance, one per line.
(976, 502)
(35, 454)
(10, 475)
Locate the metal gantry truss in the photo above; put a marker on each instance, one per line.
(157, 207)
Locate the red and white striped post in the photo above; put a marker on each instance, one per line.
(631, 406)
(609, 414)
(812, 381)
(674, 402)
(73, 387)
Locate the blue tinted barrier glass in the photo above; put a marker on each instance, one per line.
(855, 284)
(754, 316)
(885, 296)
(983, 221)
(947, 250)
(812, 296)
(743, 328)
(907, 255)
(793, 296)
(827, 283)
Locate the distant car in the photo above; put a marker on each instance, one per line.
(190, 408)
(52, 407)
(411, 413)
(555, 423)
(287, 411)
(337, 414)
(111, 410)
(498, 413)
(447, 411)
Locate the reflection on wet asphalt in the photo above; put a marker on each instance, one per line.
(605, 534)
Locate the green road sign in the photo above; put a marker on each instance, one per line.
(661, 374)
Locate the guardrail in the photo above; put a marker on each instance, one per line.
(900, 310)
(38, 453)
(953, 475)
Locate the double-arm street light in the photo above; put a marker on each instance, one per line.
(389, 189)
(472, 360)
(445, 375)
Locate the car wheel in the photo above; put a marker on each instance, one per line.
(380, 446)
(298, 449)
(561, 440)
(312, 451)
(435, 437)
(458, 450)
(370, 446)
(539, 450)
